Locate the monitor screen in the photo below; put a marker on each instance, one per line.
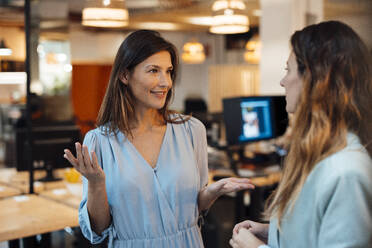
(47, 147)
(250, 119)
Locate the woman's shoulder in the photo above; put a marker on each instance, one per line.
(189, 122)
(98, 133)
(353, 161)
(353, 157)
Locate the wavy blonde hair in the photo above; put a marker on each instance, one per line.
(335, 67)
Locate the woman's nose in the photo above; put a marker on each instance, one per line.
(282, 82)
(165, 80)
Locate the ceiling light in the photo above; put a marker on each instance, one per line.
(253, 51)
(229, 17)
(155, 25)
(193, 53)
(200, 20)
(257, 12)
(105, 13)
(4, 50)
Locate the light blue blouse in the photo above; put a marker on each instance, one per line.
(151, 207)
(334, 208)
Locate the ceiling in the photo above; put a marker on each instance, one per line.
(173, 14)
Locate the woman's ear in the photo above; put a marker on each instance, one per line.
(124, 77)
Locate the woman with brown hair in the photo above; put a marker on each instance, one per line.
(324, 198)
(144, 166)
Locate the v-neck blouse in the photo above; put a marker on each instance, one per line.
(135, 150)
(151, 207)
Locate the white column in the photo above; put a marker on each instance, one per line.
(279, 19)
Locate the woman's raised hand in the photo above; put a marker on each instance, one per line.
(86, 166)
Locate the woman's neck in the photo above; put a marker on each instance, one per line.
(147, 119)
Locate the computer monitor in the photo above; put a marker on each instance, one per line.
(47, 148)
(254, 118)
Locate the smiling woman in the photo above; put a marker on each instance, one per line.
(145, 177)
(150, 81)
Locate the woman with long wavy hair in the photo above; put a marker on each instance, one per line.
(324, 198)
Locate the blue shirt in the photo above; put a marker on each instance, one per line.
(151, 207)
(334, 207)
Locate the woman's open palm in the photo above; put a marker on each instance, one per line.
(229, 185)
(86, 166)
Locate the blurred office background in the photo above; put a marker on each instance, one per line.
(71, 62)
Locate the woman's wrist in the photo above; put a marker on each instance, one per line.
(206, 198)
(96, 186)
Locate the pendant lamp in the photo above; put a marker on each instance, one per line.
(105, 13)
(229, 17)
(4, 50)
(193, 53)
(252, 52)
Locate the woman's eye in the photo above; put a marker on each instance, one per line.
(153, 70)
(169, 71)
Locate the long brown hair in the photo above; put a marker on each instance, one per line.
(117, 108)
(335, 67)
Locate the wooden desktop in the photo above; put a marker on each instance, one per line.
(27, 215)
(52, 208)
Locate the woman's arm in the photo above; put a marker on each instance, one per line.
(210, 193)
(97, 203)
(98, 208)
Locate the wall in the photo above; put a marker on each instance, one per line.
(362, 24)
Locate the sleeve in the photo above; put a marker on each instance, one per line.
(199, 140)
(91, 142)
(263, 246)
(347, 219)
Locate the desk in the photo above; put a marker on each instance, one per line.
(20, 180)
(35, 215)
(64, 196)
(6, 191)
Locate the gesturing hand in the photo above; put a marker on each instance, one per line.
(258, 229)
(229, 185)
(245, 239)
(90, 169)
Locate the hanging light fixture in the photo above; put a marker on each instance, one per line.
(229, 17)
(253, 51)
(4, 50)
(105, 13)
(193, 53)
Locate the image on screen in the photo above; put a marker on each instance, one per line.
(253, 118)
(256, 120)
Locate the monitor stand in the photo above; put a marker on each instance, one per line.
(49, 176)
